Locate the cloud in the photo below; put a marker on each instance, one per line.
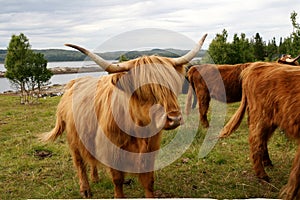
(50, 24)
(147, 38)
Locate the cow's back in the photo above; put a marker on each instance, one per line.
(231, 79)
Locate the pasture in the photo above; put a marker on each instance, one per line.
(31, 169)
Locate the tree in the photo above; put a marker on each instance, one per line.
(123, 58)
(241, 50)
(247, 49)
(16, 62)
(39, 75)
(218, 49)
(272, 50)
(294, 21)
(234, 50)
(223, 52)
(259, 48)
(24, 68)
(295, 36)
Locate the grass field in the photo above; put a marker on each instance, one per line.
(30, 169)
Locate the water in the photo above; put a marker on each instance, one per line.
(56, 79)
(64, 64)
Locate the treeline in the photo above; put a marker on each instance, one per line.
(52, 55)
(242, 49)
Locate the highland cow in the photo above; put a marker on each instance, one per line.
(272, 99)
(117, 120)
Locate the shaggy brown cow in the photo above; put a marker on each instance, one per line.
(202, 80)
(117, 120)
(272, 99)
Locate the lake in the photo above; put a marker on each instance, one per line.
(56, 79)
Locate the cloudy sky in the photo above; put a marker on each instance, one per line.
(51, 23)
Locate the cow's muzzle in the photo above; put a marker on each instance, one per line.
(174, 119)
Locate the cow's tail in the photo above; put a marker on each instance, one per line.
(55, 132)
(235, 120)
(188, 103)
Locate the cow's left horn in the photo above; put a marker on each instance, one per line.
(191, 54)
(107, 66)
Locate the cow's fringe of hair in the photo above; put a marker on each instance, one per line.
(235, 120)
(188, 104)
(153, 69)
(55, 132)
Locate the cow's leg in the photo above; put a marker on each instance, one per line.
(194, 100)
(203, 104)
(257, 145)
(80, 165)
(147, 181)
(94, 173)
(266, 158)
(292, 189)
(118, 180)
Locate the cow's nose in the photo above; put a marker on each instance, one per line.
(174, 119)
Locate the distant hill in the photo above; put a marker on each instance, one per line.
(2, 55)
(56, 55)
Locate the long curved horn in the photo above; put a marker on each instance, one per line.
(293, 60)
(107, 66)
(191, 54)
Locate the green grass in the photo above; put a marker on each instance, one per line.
(226, 172)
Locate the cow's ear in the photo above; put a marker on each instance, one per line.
(117, 81)
(116, 77)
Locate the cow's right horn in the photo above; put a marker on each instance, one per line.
(107, 66)
(293, 60)
(191, 54)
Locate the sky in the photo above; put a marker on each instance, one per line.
(52, 23)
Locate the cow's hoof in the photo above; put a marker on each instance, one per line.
(205, 124)
(268, 163)
(86, 194)
(95, 179)
(266, 179)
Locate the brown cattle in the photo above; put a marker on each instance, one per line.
(272, 99)
(117, 120)
(202, 80)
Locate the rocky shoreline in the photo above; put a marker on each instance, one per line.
(68, 70)
(46, 91)
(71, 70)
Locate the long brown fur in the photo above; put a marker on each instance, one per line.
(85, 112)
(272, 98)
